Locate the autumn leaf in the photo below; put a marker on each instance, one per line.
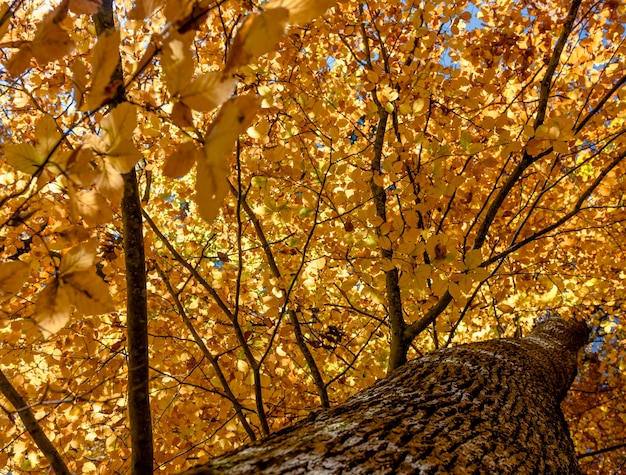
(120, 123)
(302, 11)
(91, 206)
(180, 162)
(104, 60)
(48, 136)
(12, 277)
(86, 7)
(77, 166)
(143, 9)
(53, 308)
(123, 156)
(4, 12)
(75, 286)
(211, 185)
(51, 42)
(24, 157)
(88, 292)
(109, 182)
(79, 258)
(207, 91)
(232, 120)
(258, 35)
(177, 62)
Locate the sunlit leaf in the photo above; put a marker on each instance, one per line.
(124, 156)
(232, 120)
(211, 185)
(23, 157)
(257, 36)
(120, 123)
(177, 62)
(91, 206)
(302, 11)
(48, 135)
(53, 308)
(180, 162)
(207, 92)
(79, 258)
(12, 277)
(88, 7)
(103, 63)
(88, 292)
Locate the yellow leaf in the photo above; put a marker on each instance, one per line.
(208, 91)
(234, 118)
(120, 123)
(143, 9)
(23, 157)
(88, 292)
(505, 308)
(181, 115)
(177, 62)
(4, 8)
(79, 80)
(53, 308)
(212, 172)
(302, 11)
(47, 134)
(473, 258)
(51, 41)
(20, 61)
(178, 164)
(211, 185)
(12, 277)
(87, 7)
(79, 258)
(91, 206)
(124, 156)
(78, 167)
(109, 182)
(455, 291)
(89, 467)
(258, 35)
(103, 63)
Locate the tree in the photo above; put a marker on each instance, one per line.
(328, 190)
(487, 407)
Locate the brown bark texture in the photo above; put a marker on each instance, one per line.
(482, 408)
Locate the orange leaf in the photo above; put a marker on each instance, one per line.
(53, 308)
(211, 185)
(207, 92)
(12, 277)
(178, 164)
(258, 35)
(302, 11)
(23, 157)
(103, 63)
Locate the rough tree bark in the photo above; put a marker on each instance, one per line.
(482, 408)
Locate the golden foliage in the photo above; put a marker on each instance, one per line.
(438, 169)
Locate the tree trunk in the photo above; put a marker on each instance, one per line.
(483, 408)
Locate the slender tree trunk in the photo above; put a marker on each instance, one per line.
(136, 304)
(485, 408)
(137, 331)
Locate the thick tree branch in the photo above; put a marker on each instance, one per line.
(33, 427)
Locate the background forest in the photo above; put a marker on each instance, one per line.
(327, 189)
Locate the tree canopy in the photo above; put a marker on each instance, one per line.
(327, 190)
